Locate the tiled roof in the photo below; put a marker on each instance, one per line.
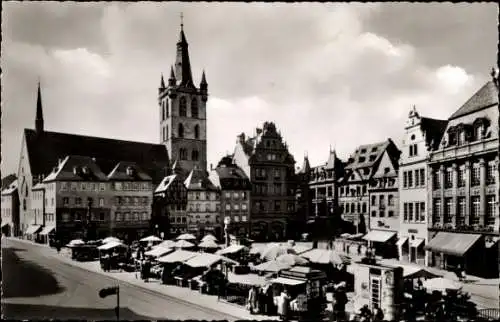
(8, 180)
(434, 130)
(46, 148)
(198, 180)
(76, 168)
(366, 155)
(121, 172)
(165, 183)
(231, 178)
(484, 97)
(10, 188)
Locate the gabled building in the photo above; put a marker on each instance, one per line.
(235, 189)
(463, 192)
(369, 188)
(10, 207)
(41, 150)
(171, 203)
(268, 164)
(203, 204)
(422, 135)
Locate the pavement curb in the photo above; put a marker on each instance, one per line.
(68, 261)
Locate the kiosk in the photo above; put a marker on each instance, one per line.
(380, 286)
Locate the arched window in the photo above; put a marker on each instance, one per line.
(181, 130)
(166, 108)
(163, 110)
(194, 108)
(166, 132)
(182, 106)
(183, 154)
(194, 155)
(196, 131)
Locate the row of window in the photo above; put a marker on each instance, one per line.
(381, 213)
(271, 189)
(320, 192)
(353, 191)
(275, 205)
(460, 210)
(464, 133)
(264, 173)
(67, 201)
(6, 212)
(129, 201)
(353, 207)
(49, 217)
(93, 186)
(201, 195)
(204, 207)
(182, 108)
(183, 154)
(414, 178)
(235, 195)
(475, 176)
(414, 212)
(413, 150)
(381, 200)
(131, 216)
(77, 216)
(133, 186)
(237, 207)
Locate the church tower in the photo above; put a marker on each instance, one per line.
(183, 117)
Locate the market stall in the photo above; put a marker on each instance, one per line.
(113, 255)
(305, 287)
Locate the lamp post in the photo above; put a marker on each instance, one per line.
(227, 222)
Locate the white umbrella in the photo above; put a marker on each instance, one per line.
(292, 260)
(186, 237)
(276, 250)
(209, 237)
(151, 238)
(167, 244)
(208, 244)
(110, 239)
(441, 284)
(184, 244)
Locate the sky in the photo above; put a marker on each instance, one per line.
(337, 75)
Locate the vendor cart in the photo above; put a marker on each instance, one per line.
(305, 287)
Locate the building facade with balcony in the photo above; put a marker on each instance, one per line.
(203, 204)
(235, 189)
(464, 185)
(10, 209)
(171, 202)
(422, 135)
(268, 164)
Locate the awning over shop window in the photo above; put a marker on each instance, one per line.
(178, 256)
(287, 281)
(46, 230)
(452, 243)
(379, 236)
(33, 229)
(401, 241)
(416, 242)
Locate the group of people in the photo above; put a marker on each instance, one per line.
(261, 301)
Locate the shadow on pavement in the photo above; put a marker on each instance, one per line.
(25, 279)
(37, 312)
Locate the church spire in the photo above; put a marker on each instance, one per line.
(182, 63)
(162, 82)
(39, 111)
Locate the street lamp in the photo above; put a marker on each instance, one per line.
(227, 222)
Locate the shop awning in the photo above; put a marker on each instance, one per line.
(158, 251)
(178, 256)
(247, 279)
(207, 260)
(46, 230)
(287, 281)
(379, 236)
(452, 243)
(416, 242)
(111, 245)
(33, 229)
(401, 241)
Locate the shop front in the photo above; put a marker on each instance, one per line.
(47, 233)
(452, 251)
(32, 231)
(384, 243)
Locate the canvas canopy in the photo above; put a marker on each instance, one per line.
(287, 281)
(179, 256)
(233, 249)
(47, 230)
(186, 237)
(158, 251)
(207, 260)
(151, 238)
(110, 239)
(111, 245)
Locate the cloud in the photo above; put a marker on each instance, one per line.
(324, 73)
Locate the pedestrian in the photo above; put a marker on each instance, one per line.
(378, 314)
(252, 299)
(284, 305)
(261, 300)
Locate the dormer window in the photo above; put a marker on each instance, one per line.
(478, 132)
(361, 159)
(372, 157)
(374, 149)
(461, 137)
(75, 170)
(130, 171)
(86, 170)
(363, 151)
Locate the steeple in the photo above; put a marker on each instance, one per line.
(39, 111)
(330, 164)
(171, 79)
(203, 87)
(306, 167)
(182, 64)
(162, 82)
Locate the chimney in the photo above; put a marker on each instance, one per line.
(259, 131)
(211, 166)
